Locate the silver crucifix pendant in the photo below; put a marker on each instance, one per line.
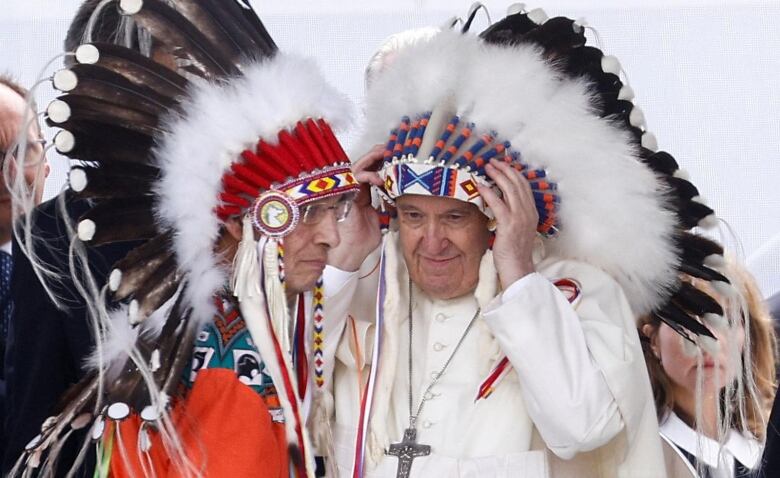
(407, 451)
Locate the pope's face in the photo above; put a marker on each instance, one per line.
(443, 241)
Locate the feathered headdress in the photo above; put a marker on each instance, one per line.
(215, 124)
(530, 91)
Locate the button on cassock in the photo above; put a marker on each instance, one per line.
(440, 317)
(438, 346)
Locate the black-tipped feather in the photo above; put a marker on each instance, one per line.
(171, 28)
(662, 162)
(132, 388)
(85, 108)
(140, 263)
(695, 302)
(223, 22)
(159, 287)
(121, 220)
(119, 180)
(100, 83)
(244, 9)
(94, 142)
(682, 188)
(224, 36)
(558, 36)
(618, 108)
(584, 60)
(608, 84)
(176, 347)
(702, 272)
(509, 30)
(141, 70)
(692, 213)
(696, 248)
(681, 322)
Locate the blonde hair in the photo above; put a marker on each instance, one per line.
(758, 363)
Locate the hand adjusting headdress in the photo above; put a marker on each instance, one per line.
(530, 92)
(216, 124)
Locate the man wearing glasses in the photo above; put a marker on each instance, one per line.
(14, 113)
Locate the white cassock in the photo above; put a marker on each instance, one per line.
(576, 401)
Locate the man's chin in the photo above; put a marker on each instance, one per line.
(438, 289)
(300, 286)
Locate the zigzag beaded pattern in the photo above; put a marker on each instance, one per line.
(307, 162)
(319, 334)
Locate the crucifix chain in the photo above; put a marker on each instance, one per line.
(424, 398)
(408, 449)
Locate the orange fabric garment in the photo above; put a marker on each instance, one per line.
(226, 430)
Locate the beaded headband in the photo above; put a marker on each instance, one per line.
(439, 154)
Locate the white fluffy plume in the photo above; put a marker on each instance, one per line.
(218, 123)
(120, 338)
(613, 210)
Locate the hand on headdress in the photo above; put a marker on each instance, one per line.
(516, 219)
(359, 232)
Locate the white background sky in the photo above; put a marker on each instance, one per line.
(706, 74)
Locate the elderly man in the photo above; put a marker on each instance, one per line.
(15, 116)
(493, 332)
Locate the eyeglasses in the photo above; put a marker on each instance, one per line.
(315, 213)
(32, 156)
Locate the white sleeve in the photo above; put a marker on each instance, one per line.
(547, 343)
(342, 289)
(339, 288)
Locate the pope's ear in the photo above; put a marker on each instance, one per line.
(234, 228)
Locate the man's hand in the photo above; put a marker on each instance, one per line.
(516, 220)
(359, 232)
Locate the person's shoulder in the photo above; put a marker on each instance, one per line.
(555, 268)
(47, 226)
(584, 280)
(51, 211)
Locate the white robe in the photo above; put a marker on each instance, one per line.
(578, 387)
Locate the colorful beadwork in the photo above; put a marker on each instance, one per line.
(226, 343)
(328, 182)
(456, 165)
(319, 334)
(275, 214)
